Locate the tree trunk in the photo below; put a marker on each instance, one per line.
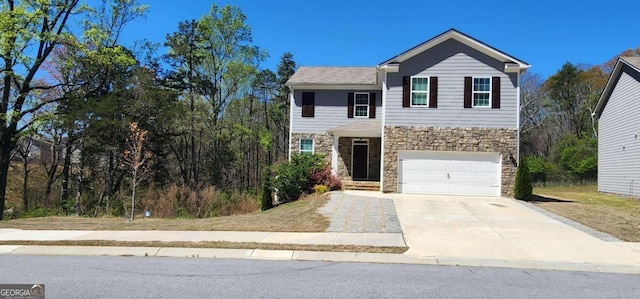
(4, 174)
(25, 182)
(51, 177)
(133, 195)
(66, 169)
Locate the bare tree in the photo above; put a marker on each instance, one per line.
(24, 152)
(531, 102)
(135, 160)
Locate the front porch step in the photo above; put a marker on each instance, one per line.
(361, 185)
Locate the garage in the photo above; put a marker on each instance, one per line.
(449, 173)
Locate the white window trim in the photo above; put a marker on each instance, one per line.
(313, 146)
(473, 92)
(411, 91)
(355, 104)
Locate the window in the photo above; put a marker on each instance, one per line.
(482, 92)
(306, 146)
(308, 104)
(362, 105)
(419, 91)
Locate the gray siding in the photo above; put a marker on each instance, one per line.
(619, 138)
(330, 110)
(451, 61)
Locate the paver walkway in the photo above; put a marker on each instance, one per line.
(359, 214)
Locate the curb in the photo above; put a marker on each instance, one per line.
(297, 255)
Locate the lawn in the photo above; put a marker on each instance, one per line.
(298, 216)
(616, 215)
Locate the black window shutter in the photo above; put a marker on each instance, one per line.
(433, 92)
(495, 92)
(372, 105)
(308, 104)
(350, 104)
(406, 91)
(467, 92)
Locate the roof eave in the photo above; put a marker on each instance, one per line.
(341, 86)
(608, 88)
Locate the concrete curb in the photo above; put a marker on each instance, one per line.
(322, 238)
(295, 255)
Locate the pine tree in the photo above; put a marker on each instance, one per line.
(523, 188)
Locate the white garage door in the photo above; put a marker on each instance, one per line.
(449, 173)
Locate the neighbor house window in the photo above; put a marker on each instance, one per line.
(306, 146)
(482, 92)
(419, 91)
(362, 105)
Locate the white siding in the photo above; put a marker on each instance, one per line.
(619, 139)
(451, 61)
(330, 110)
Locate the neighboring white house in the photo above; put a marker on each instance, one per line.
(618, 111)
(439, 118)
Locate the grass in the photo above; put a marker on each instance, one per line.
(222, 245)
(298, 216)
(616, 215)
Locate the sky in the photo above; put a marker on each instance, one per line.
(543, 33)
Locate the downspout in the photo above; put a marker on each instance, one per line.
(518, 118)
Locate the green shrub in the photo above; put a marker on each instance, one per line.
(539, 169)
(293, 177)
(320, 189)
(40, 212)
(267, 202)
(523, 188)
(577, 158)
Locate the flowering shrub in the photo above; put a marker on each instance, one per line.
(302, 174)
(320, 189)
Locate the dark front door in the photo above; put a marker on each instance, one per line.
(360, 161)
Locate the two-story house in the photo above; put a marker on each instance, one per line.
(439, 118)
(619, 130)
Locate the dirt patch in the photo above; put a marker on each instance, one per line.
(298, 216)
(612, 214)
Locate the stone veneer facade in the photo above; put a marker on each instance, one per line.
(323, 144)
(398, 138)
(345, 151)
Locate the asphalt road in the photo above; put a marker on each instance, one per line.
(147, 277)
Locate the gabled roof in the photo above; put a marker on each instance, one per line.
(631, 62)
(461, 37)
(306, 75)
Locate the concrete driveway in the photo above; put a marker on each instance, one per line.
(490, 228)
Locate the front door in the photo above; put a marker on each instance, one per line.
(360, 163)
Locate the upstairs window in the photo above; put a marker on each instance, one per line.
(361, 104)
(420, 91)
(308, 104)
(306, 146)
(482, 92)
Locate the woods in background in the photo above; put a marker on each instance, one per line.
(211, 117)
(557, 122)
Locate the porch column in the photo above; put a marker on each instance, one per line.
(334, 155)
